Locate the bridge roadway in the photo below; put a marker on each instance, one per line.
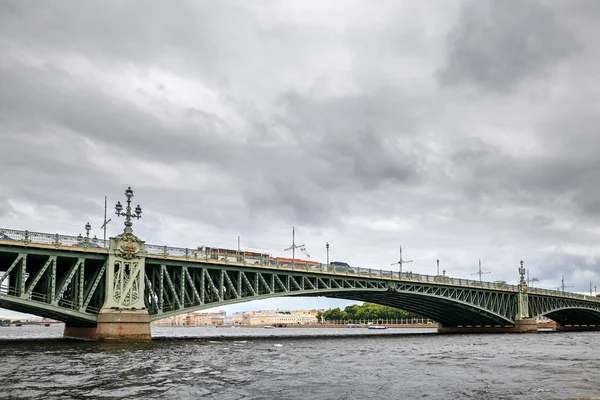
(78, 281)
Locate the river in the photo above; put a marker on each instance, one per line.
(245, 363)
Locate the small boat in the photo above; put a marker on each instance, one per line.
(268, 327)
(378, 327)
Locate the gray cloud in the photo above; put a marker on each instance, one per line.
(498, 44)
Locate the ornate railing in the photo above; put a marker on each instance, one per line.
(51, 239)
(199, 254)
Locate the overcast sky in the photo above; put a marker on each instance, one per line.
(461, 130)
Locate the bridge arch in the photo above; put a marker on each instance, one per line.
(573, 315)
(447, 311)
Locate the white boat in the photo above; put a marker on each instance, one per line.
(377, 327)
(268, 326)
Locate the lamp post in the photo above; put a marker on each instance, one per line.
(88, 227)
(522, 274)
(327, 247)
(127, 213)
(438, 266)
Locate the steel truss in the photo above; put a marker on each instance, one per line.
(498, 304)
(63, 285)
(565, 311)
(178, 288)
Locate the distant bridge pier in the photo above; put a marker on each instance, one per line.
(124, 316)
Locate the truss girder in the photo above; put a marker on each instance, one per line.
(499, 304)
(447, 311)
(59, 284)
(205, 287)
(449, 305)
(565, 311)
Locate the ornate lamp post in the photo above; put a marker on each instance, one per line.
(327, 247)
(84, 241)
(127, 213)
(523, 299)
(88, 228)
(522, 273)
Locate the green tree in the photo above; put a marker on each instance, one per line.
(368, 311)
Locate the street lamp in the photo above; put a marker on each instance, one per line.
(88, 228)
(438, 266)
(127, 213)
(522, 273)
(327, 247)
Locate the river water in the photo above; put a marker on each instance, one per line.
(245, 363)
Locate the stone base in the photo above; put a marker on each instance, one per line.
(115, 326)
(577, 328)
(520, 326)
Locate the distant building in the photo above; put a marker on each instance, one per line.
(252, 318)
(194, 319)
(262, 318)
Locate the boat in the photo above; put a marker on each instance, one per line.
(268, 327)
(378, 327)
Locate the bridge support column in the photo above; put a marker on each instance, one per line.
(113, 325)
(526, 325)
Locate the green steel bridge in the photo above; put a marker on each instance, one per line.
(72, 279)
(112, 290)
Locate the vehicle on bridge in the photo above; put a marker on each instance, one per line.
(340, 266)
(248, 256)
(230, 255)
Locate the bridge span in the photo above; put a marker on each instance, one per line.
(113, 290)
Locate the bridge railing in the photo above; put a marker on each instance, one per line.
(51, 239)
(550, 292)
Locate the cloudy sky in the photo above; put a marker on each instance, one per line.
(461, 130)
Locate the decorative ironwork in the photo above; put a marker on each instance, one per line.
(522, 274)
(127, 213)
(52, 239)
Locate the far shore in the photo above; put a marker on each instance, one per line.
(337, 326)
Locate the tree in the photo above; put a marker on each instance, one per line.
(368, 311)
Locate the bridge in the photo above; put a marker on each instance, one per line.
(113, 290)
